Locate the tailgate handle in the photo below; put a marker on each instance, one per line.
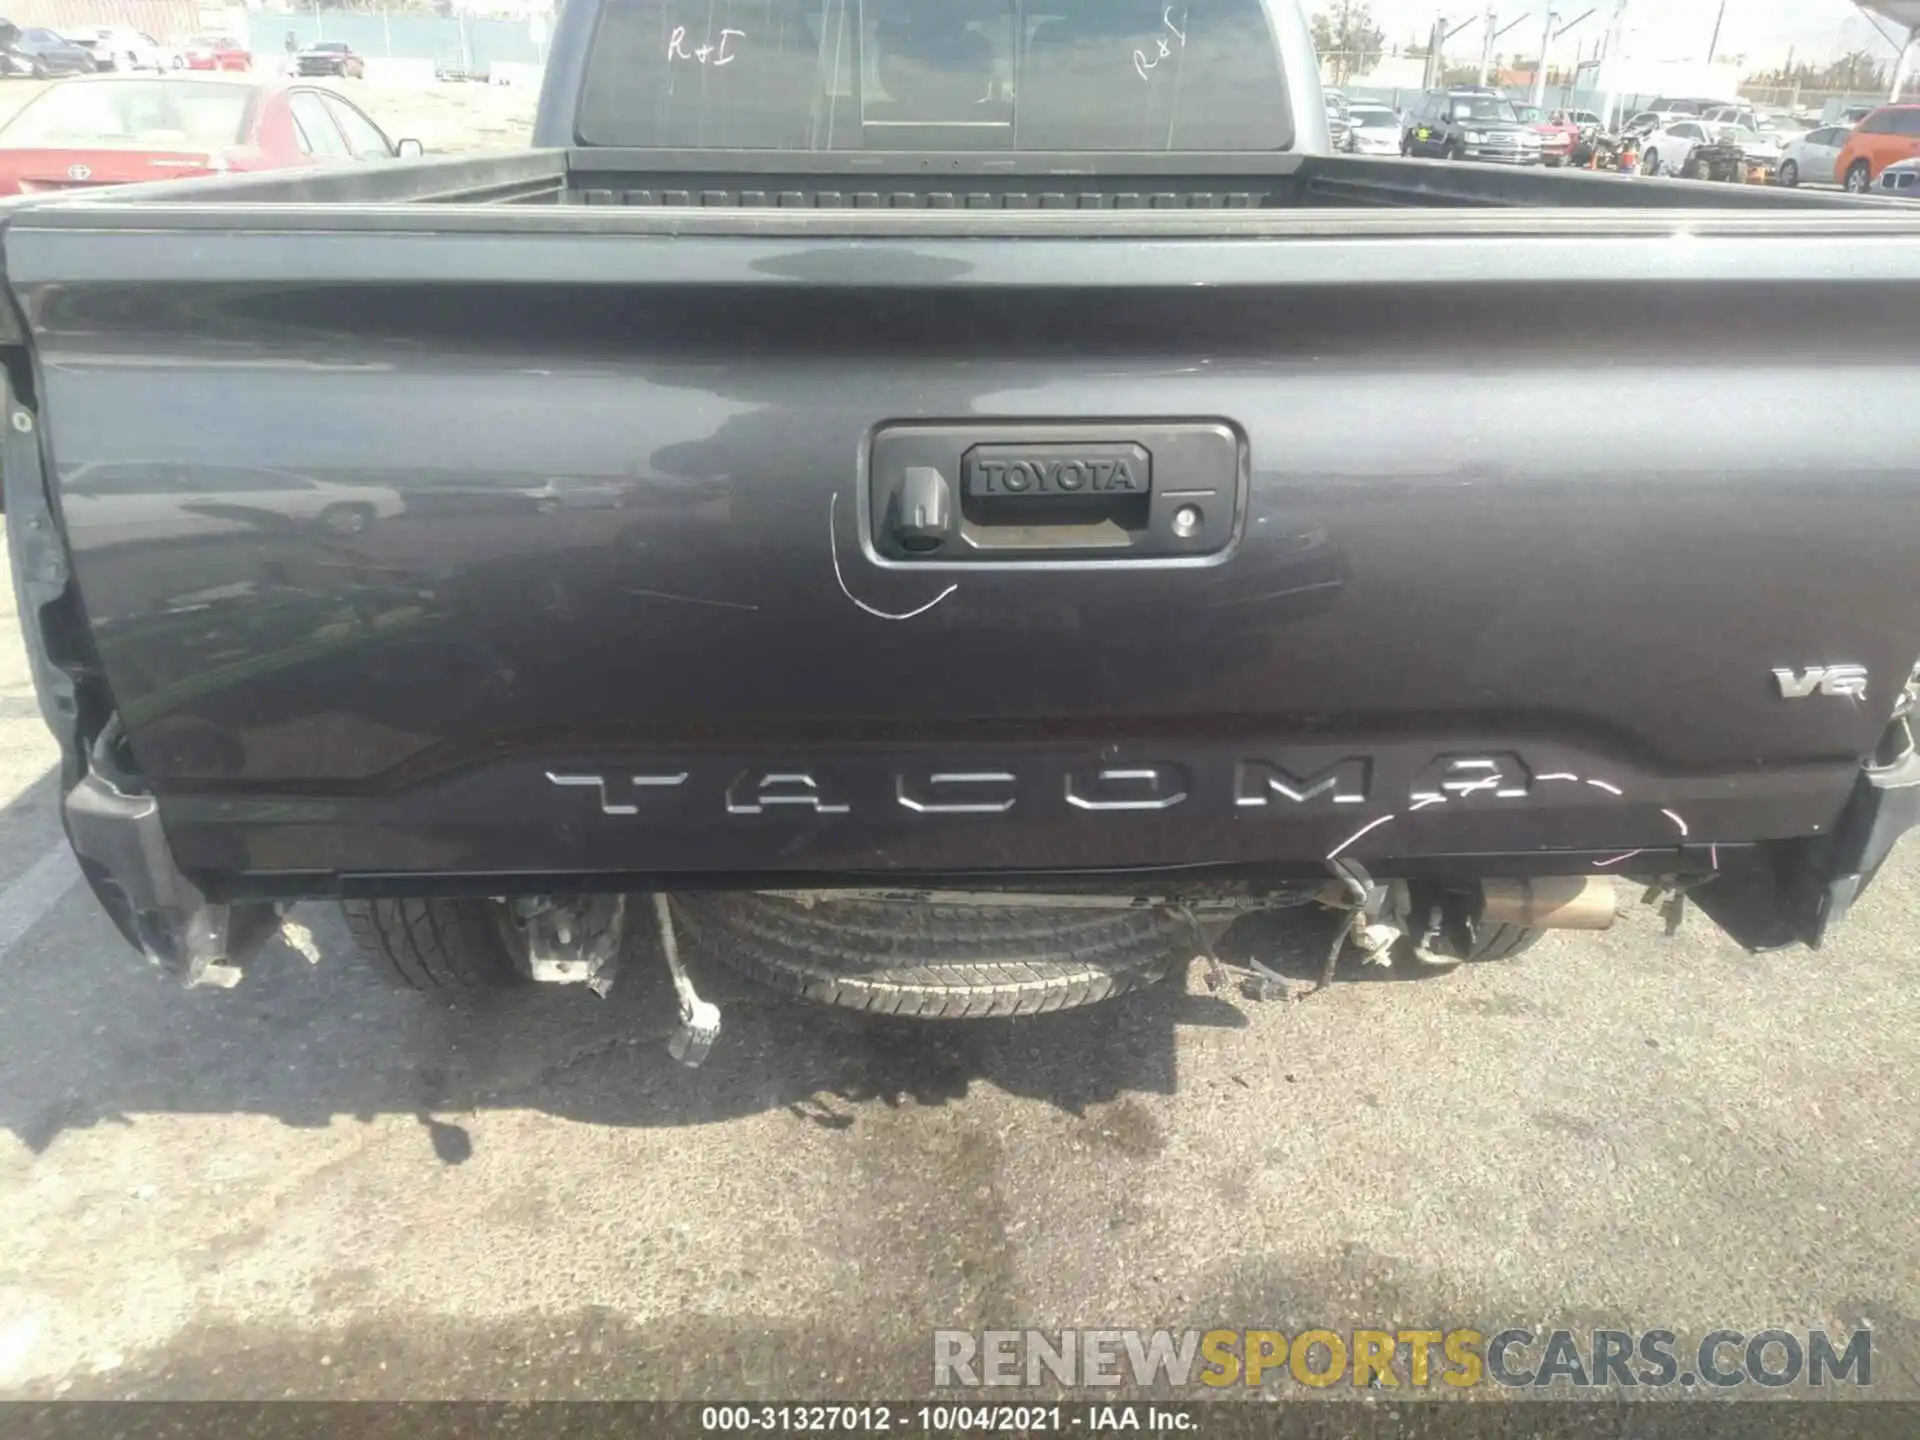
(1055, 497)
(999, 494)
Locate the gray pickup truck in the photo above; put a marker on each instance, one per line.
(944, 504)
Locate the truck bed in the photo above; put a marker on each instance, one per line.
(1024, 181)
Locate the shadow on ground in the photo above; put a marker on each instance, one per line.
(92, 1036)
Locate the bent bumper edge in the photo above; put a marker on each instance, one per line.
(124, 852)
(1814, 883)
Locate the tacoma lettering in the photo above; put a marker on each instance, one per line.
(1250, 786)
(1258, 783)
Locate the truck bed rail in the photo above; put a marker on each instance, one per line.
(1039, 181)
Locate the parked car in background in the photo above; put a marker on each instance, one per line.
(1557, 133)
(1665, 147)
(1813, 158)
(1469, 124)
(1900, 179)
(1760, 150)
(1668, 151)
(1373, 130)
(1846, 112)
(1694, 105)
(205, 501)
(1732, 115)
(215, 52)
(330, 57)
(1339, 128)
(1748, 118)
(40, 52)
(119, 129)
(116, 47)
(1644, 122)
(1888, 134)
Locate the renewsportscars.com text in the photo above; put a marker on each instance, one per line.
(1459, 1358)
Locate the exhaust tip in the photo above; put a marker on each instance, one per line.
(1550, 902)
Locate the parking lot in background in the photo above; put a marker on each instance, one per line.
(313, 1185)
(448, 119)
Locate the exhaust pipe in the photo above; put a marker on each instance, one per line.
(1550, 902)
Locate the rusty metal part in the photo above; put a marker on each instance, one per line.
(1550, 902)
(1195, 904)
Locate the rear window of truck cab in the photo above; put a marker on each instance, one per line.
(1012, 75)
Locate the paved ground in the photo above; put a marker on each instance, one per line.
(312, 1185)
(315, 1186)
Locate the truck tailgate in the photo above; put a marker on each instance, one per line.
(504, 544)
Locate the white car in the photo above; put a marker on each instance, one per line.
(1761, 147)
(119, 504)
(116, 47)
(1663, 151)
(1732, 115)
(1376, 129)
(1648, 122)
(1809, 159)
(1902, 178)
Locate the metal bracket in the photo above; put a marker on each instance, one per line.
(574, 941)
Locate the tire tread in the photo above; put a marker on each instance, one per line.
(935, 962)
(1502, 942)
(446, 946)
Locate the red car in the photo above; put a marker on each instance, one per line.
(215, 52)
(1558, 135)
(120, 129)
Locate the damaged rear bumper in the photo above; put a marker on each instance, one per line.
(1793, 891)
(124, 853)
(1808, 886)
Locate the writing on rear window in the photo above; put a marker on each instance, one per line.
(703, 53)
(1163, 47)
(938, 75)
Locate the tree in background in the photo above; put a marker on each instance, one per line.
(1348, 39)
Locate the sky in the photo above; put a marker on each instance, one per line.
(1761, 31)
